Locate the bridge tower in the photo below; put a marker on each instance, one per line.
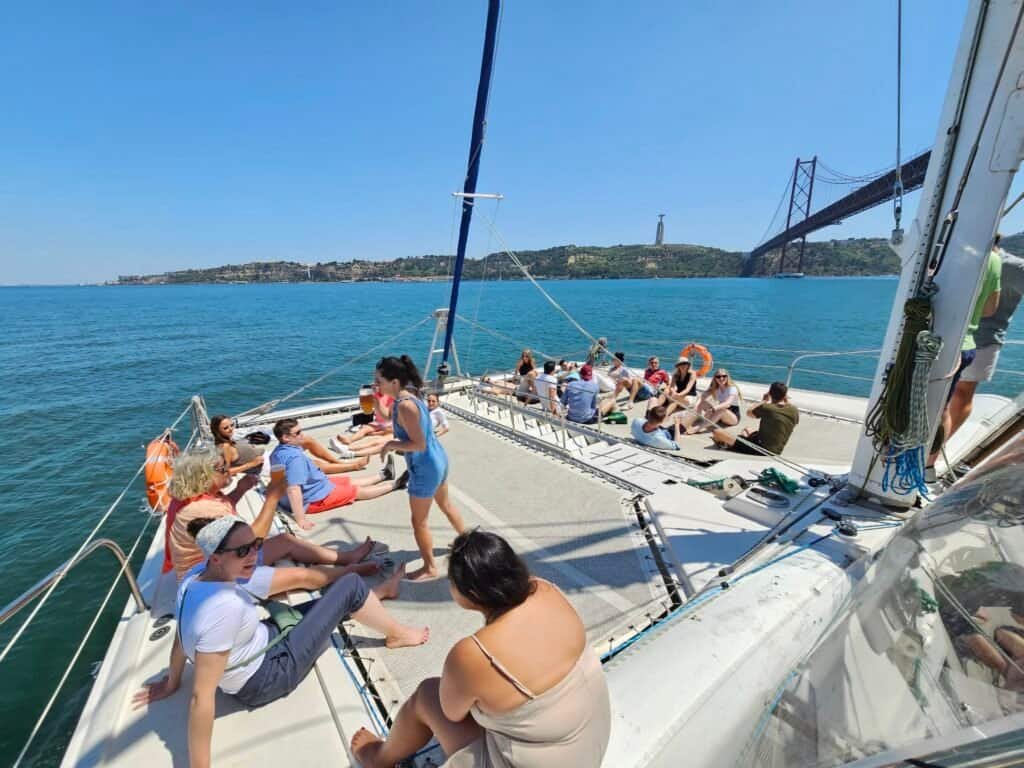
(659, 237)
(799, 205)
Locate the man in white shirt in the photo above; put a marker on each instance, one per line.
(547, 388)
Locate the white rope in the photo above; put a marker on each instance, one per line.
(343, 366)
(545, 294)
(81, 646)
(81, 548)
(917, 433)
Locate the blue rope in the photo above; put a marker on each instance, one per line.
(378, 724)
(675, 614)
(904, 471)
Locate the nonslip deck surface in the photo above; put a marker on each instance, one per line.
(573, 530)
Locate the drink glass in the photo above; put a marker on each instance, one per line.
(276, 474)
(366, 398)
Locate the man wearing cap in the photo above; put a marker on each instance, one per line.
(256, 661)
(581, 398)
(778, 420)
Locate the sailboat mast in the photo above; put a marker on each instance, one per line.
(476, 146)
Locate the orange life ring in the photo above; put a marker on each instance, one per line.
(705, 356)
(159, 454)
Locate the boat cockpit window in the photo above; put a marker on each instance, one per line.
(930, 644)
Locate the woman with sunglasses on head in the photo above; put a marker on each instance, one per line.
(197, 491)
(221, 633)
(526, 690)
(719, 406)
(425, 458)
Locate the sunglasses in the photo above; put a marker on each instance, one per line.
(244, 549)
(721, 376)
(296, 433)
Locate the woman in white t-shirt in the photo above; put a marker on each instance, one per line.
(220, 629)
(719, 406)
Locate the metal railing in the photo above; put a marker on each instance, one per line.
(30, 594)
(791, 369)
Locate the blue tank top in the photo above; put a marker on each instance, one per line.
(431, 460)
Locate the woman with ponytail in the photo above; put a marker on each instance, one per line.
(426, 459)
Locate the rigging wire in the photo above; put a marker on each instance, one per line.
(897, 191)
(88, 539)
(526, 273)
(264, 407)
(935, 263)
(81, 645)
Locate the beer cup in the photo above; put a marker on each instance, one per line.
(366, 398)
(276, 474)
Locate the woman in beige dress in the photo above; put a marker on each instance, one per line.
(525, 690)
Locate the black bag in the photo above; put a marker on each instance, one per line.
(359, 419)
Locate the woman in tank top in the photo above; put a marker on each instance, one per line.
(526, 375)
(425, 458)
(241, 456)
(526, 690)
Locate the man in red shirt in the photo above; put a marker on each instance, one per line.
(654, 375)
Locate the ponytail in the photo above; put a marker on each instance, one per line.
(403, 369)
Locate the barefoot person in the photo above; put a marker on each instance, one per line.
(526, 690)
(719, 406)
(220, 631)
(309, 490)
(197, 487)
(424, 456)
(778, 418)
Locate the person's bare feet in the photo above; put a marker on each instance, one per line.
(407, 637)
(305, 524)
(390, 587)
(365, 746)
(423, 573)
(358, 554)
(369, 568)
(363, 462)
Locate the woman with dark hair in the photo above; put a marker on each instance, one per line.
(526, 690)
(221, 633)
(424, 456)
(526, 376)
(242, 456)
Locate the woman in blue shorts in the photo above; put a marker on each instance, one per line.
(426, 459)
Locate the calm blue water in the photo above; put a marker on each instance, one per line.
(91, 374)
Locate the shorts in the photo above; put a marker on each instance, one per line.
(644, 393)
(341, 495)
(750, 450)
(966, 358)
(983, 367)
(425, 479)
(735, 410)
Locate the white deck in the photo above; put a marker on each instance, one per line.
(567, 507)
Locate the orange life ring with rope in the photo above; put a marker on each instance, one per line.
(705, 357)
(159, 454)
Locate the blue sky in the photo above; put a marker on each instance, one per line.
(143, 137)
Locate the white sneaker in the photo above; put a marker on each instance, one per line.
(341, 449)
